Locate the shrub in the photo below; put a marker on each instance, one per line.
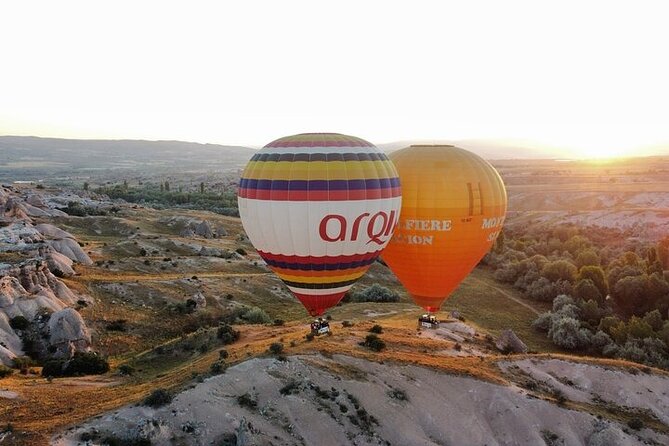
(347, 324)
(247, 401)
(227, 334)
(635, 423)
(376, 329)
(601, 340)
(309, 337)
(639, 328)
(543, 322)
(117, 325)
(5, 371)
(291, 388)
(276, 348)
(586, 290)
(19, 323)
(223, 354)
(559, 270)
(398, 394)
(566, 332)
(279, 322)
(158, 398)
(654, 320)
(217, 367)
(88, 363)
(373, 342)
(240, 251)
(596, 275)
(375, 293)
(560, 301)
(126, 369)
(256, 315)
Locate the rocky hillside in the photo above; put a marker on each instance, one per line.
(311, 399)
(37, 315)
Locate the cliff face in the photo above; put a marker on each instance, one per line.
(36, 317)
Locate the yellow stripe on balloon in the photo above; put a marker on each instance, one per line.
(316, 170)
(331, 279)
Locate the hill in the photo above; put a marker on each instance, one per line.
(33, 158)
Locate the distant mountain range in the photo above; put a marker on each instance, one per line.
(487, 148)
(39, 155)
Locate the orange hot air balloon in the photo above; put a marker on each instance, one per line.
(453, 208)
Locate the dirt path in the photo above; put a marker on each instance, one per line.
(507, 295)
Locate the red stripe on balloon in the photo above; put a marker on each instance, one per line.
(306, 260)
(319, 195)
(318, 304)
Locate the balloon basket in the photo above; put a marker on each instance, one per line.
(428, 321)
(320, 327)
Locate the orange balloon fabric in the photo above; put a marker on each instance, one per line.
(453, 209)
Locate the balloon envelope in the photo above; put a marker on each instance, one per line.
(319, 208)
(453, 208)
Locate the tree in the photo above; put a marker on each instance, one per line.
(663, 252)
(567, 333)
(576, 244)
(202, 187)
(86, 185)
(587, 290)
(630, 293)
(587, 258)
(639, 329)
(596, 275)
(167, 186)
(559, 270)
(654, 320)
(162, 187)
(620, 271)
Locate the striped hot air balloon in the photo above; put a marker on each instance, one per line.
(319, 208)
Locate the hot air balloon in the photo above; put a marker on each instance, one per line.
(319, 209)
(453, 208)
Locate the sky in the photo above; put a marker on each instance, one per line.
(573, 78)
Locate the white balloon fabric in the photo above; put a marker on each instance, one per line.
(319, 208)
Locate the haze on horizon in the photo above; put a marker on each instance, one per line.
(568, 79)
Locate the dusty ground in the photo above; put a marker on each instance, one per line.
(312, 399)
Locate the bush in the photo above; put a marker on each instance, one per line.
(346, 324)
(398, 394)
(217, 368)
(276, 348)
(543, 322)
(5, 371)
(126, 369)
(223, 354)
(309, 337)
(376, 329)
(373, 342)
(375, 293)
(601, 340)
(566, 332)
(158, 398)
(247, 401)
(256, 315)
(654, 320)
(241, 251)
(81, 364)
(19, 323)
(635, 423)
(227, 334)
(279, 322)
(117, 325)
